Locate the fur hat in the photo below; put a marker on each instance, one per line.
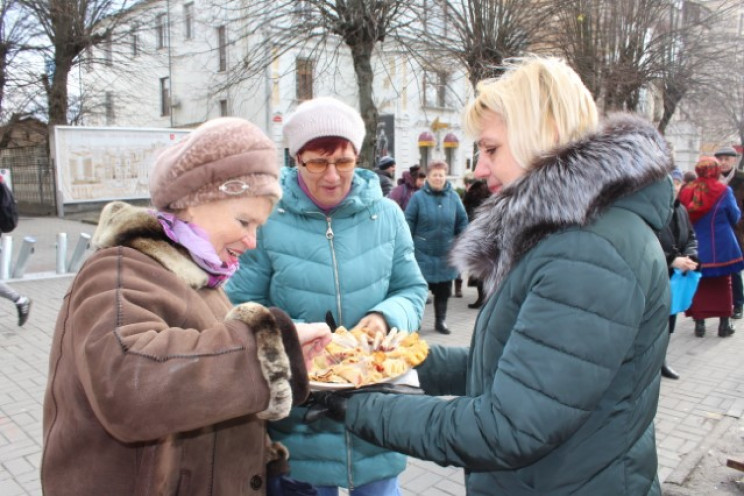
(198, 168)
(323, 117)
(726, 151)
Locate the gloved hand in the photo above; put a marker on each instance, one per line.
(327, 403)
(332, 404)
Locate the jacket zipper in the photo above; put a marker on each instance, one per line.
(348, 460)
(329, 237)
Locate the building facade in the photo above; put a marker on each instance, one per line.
(172, 63)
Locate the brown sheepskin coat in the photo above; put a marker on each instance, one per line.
(157, 386)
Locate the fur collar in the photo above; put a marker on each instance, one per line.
(568, 186)
(121, 224)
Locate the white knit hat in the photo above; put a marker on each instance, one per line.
(323, 117)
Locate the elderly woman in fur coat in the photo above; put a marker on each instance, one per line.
(156, 385)
(558, 390)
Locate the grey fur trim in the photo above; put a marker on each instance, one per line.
(568, 186)
(121, 224)
(271, 355)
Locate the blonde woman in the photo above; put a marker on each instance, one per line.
(558, 390)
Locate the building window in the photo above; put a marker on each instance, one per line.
(165, 104)
(188, 21)
(109, 105)
(222, 48)
(304, 79)
(135, 44)
(108, 52)
(223, 108)
(435, 88)
(160, 30)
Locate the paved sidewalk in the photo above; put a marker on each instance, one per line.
(693, 411)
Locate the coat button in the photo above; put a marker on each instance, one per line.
(256, 482)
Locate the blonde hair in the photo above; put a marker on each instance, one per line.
(542, 102)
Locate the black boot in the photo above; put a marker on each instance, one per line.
(440, 314)
(699, 328)
(479, 302)
(668, 373)
(724, 328)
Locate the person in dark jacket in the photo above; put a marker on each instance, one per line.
(557, 392)
(714, 213)
(729, 159)
(476, 192)
(436, 217)
(21, 302)
(680, 249)
(386, 172)
(413, 179)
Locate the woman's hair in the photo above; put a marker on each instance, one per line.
(543, 104)
(437, 164)
(325, 145)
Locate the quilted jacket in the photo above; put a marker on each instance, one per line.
(557, 393)
(356, 259)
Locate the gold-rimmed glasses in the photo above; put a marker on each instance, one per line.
(320, 165)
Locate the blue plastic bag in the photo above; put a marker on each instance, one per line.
(683, 286)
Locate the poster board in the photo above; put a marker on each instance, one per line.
(101, 164)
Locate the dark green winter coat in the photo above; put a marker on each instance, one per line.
(559, 388)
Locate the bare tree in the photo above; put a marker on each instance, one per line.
(71, 27)
(622, 47)
(16, 34)
(326, 26)
(609, 42)
(692, 47)
(718, 107)
(480, 34)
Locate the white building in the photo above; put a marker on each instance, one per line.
(170, 64)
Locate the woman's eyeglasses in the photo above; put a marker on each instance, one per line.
(320, 165)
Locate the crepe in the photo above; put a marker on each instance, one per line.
(357, 358)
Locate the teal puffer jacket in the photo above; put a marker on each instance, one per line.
(435, 219)
(355, 260)
(557, 393)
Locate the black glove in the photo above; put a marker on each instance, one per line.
(326, 403)
(332, 404)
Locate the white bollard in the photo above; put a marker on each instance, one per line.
(6, 256)
(61, 253)
(77, 256)
(27, 249)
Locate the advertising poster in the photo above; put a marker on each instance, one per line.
(104, 164)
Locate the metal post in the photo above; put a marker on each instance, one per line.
(77, 256)
(27, 249)
(61, 253)
(5, 259)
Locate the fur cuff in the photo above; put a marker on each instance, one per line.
(299, 381)
(271, 356)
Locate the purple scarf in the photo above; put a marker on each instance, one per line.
(196, 241)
